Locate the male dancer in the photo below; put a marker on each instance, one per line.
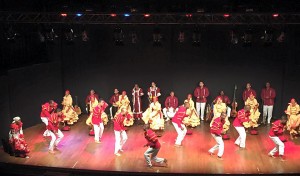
(177, 123)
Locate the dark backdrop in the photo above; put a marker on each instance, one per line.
(101, 65)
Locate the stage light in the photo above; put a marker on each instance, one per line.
(50, 35)
(275, 15)
(134, 37)
(156, 37)
(126, 14)
(181, 37)
(63, 14)
(118, 36)
(11, 34)
(84, 36)
(69, 34)
(188, 15)
(281, 37)
(79, 14)
(113, 15)
(247, 37)
(147, 15)
(226, 15)
(267, 37)
(196, 36)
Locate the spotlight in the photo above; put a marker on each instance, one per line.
(134, 37)
(247, 37)
(281, 37)
(50, 34)
(146, 15)
(113, 15)
(69, 34)
(234, 37)
(188, 15)
(267, 37)
(79, 14)
(118, 36)
(63, 14)
(275, 15)
(196, 36)
(127, 15)
(226, 15)
(156, 37)
(181, 37)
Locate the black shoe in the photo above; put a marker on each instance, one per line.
(166, 161)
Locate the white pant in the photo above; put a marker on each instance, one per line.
(219, 145)
(98, 129)
(228, 111)
(120, 142)
(45, 121)
(200, 107)
(181, 133)
(279, 145)
(267, 110)
(241, 140)
(55, 140)
(170, 113)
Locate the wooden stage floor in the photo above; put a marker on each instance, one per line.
(79, 153)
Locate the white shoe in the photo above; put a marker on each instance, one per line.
(118, 154)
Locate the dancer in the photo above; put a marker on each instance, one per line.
(153, 91)
(154, 147)
(201, 93)
(97, 120)
(192, 119)
(88, 100)
(254, 113)
(178, 125)
(54, 132)
(47, 109)
(248, 91)
(119, 129)
(293, 114)
(19, 147)
(216, 131)
(225, 100)
(92, 104)
(125, 103)
(275, 132)
(240, 122)
(137, 93)
(154, 116)
(68, 110)
(171, 104)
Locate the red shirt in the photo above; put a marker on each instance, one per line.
(53, 122)
(277, 129)
(47, 109)
(171, 102)
(97, 112)
(202, 93)
(247, 93)
(217, 126)
(152, 140)
(241, 117)
(114, 99)
(88, 98)
(268, 96)
(224, 98)
(119, 121)
(154, 92)
(179, 116)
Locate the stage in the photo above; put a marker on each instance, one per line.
(78, 154)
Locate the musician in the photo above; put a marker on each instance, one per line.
(88, 100)
(201, 93)
(125, 103)
(171, 104)
(248, 91)
(153, 91)
(53, 127)
(293, 113)
(239, 123)
(254, 113)
(68, 110)
(154, 116)
(268, 95)
(16, 139)
(216, 130)
(119, 129)
(153, 147)
(97, 121)
(178, 124)
(192, 119)
(113, 101)
(225, 100)
(47, 109)
(275, 133)
(137, 93)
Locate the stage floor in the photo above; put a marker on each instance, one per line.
(78, 150)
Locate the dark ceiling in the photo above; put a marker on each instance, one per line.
(151, 6)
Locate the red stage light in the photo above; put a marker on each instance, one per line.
(188, 15)
(113, 15)
(226, 15)
(63, 14)
(147, 15)
(275, 15)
